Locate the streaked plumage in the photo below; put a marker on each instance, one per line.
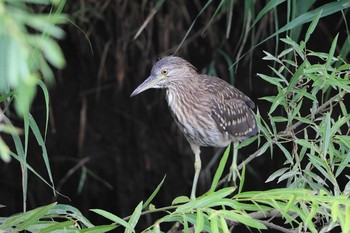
(208, 110)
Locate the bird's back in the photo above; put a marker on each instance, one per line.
(231, 109)
(219, 88)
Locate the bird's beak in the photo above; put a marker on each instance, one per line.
(150, 82)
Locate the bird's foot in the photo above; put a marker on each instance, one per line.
(232, 176)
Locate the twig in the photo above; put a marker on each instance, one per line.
(276, 227)
(263, 215)
(319, 110)
(71, 172)
(149, 18)
(246, 161)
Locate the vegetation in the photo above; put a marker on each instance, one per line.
(307, 120)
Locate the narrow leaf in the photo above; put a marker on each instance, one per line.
(134, 217)
(220, 169)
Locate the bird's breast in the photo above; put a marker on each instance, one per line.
(192, 115)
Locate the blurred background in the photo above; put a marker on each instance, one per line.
(110, 151)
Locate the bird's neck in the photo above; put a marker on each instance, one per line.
(181, 93)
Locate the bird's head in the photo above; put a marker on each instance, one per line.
(167, 71)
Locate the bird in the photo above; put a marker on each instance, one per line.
(208, 111)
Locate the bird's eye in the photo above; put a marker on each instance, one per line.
(164, 72)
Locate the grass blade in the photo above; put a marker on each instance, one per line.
(40, 140)
(220, 169)
(134, 217)
(113, 218)
(153, 194)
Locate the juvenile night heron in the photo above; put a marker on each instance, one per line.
(208, 110)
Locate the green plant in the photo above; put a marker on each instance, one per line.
(28, 50)
(315, 143)
(312, 200)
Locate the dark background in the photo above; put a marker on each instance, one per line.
(126, 145)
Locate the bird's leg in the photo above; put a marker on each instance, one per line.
(233, 169)
(197, 169)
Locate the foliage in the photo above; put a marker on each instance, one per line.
(312, 200)
(26, 55)
(28, 48)
(50, 218)
(315, 143)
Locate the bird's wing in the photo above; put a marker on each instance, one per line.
(234, 117)
(230, 108)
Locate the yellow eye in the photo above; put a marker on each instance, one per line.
(164, 72)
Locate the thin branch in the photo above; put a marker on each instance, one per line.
(276, 227)
(319, 110)
(71, 172)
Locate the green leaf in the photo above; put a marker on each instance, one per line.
(185, 223)
(70, 212)
(270, 57)
(47, 100)
(276, 174)
(331, 52)
(50, 49)
(320, 166)
(5, 96)
(296, 77)
(344, 52)
(290, 203)
(304, 93)
(334, 211)
(21, 221)
(25, 93)
(44, 23)
(113, 218)
(27, 166)
(286, 153)
(152, 207)
(235, 205)
(279, 100)
(214, 225)
(326, 133)
(285, 52)
(180, 200)
(243, 218)
(33, 217)
(98, 229)
(154, 193)
(311, 215)
(289, 174)
(240, 188)
(223, 224)
(345, 139)
(4, 151)
(199, 222)
(58, 226)
(307, 144)
(312, 26)
(272, 80)
(296, 47)
(305, 120)
(134, 217)
(247, 142)
(220, 169)
(205, 200)
(268, 98)
(35, 129)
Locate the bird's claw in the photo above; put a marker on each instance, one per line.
(233, 174)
